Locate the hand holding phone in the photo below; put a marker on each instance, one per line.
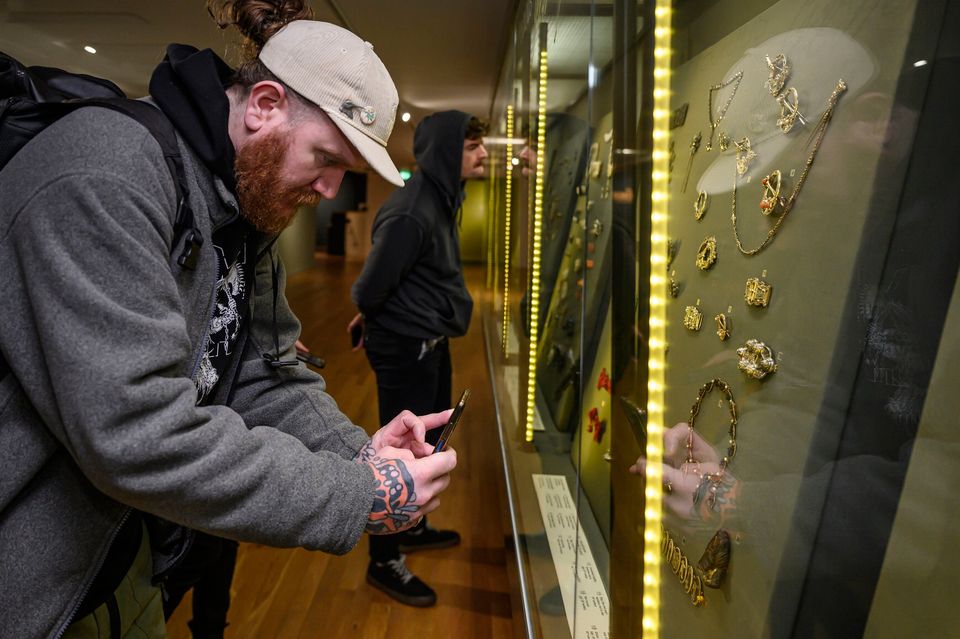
(452, 423)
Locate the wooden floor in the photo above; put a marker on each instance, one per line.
(296, 593)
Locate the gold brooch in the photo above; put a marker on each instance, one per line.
(707, 254)
(771, 192)
(700, 206)
(779, 68)
(757, 292)
(713, 564)
(756, 359)
(723, 327)
(789, 110)
(692, 318)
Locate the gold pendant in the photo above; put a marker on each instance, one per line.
(700, 206)
(713, 564)
(745, 155)
(771, 192)
(692, 318)
(723, 141)
(757, 292)
(707, 254)
(723, 327)
(756, 359)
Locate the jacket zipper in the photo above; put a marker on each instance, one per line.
(86, 589)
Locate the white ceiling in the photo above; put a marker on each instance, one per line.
(442, 54)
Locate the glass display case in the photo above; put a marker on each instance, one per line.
(722, 320)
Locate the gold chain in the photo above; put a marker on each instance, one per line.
(817, 138)
(736, 77)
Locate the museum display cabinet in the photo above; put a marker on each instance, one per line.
(722, 320)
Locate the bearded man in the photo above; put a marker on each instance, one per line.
(145, 403)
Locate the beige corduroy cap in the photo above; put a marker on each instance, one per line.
(341, 74)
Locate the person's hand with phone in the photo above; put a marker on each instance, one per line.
(407, 488)
(405, 431)
(408, 475)
(355, 328)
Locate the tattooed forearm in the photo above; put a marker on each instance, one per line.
(394, 497)
(365, 454)
(715, 495)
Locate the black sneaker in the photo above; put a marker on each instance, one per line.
(394, 578)
(427, 537)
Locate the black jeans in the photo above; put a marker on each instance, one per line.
(408, 377)
(208, 569)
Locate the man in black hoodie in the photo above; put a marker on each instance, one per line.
(412, 299)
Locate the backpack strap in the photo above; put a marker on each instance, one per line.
(160, 127)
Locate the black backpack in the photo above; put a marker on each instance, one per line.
(33, 98)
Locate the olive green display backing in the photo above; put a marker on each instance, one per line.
(914, 597)
(810, 264)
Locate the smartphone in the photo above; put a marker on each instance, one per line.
(311, 359)
(356, 334)
(452, 424)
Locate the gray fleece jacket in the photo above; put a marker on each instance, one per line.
(104, 333)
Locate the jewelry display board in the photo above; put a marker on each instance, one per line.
(581, 294)
(567, 145)
(591, 454)
(782, 207)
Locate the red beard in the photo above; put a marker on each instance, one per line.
(265, 201)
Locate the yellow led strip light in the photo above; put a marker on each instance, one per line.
(537, 230)
(491, 229)
(653, 513)
(508, 194)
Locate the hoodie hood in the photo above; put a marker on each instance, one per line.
(438, 148)
(189, 86)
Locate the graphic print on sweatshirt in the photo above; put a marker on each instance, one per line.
(231, 302)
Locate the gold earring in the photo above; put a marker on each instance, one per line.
(723, 327)
(707, 254)
(789, 110)
(771, 192)
(700, 206)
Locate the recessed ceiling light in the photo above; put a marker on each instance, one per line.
(920, 63)
(406, 116)
(89, 49)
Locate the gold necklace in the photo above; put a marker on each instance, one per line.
(736, 77)
(817, 138)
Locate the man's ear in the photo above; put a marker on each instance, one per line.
(268, 105)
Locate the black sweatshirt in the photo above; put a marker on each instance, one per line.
(412, 282)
